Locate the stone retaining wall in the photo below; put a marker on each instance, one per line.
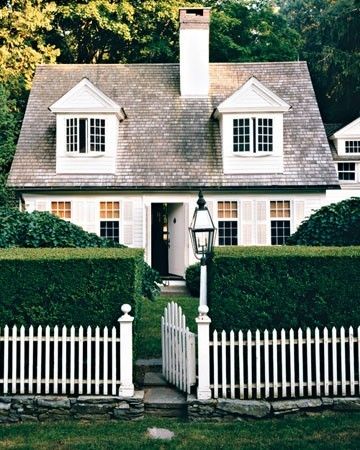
(226, 409)
(21, 408)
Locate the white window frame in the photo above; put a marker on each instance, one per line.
(356, 146)
(281, 218)
(254, 145)
(111, 219)
(228, 219)
(88, 152)
(356, 172)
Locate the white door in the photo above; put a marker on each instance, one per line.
(176, 227)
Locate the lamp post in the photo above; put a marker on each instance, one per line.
(202, 234)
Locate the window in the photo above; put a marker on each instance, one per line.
(253, 135)
(346, 171)
(110, 228)
(280, 228)
(352, 146)
(228, 228)
(85, 135)
(61, 209)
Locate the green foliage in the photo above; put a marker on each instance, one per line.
(42, 229)
(243, 31)
(336, 224)
(192, 277)
(151, 282)
(284, 287)
(68, 286)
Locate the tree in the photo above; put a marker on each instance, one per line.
(331, 45)
(244, 31)
(23, 24)
(337, 224)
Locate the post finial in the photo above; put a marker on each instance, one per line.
(201, 201)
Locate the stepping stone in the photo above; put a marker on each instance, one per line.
(160, 433)
(154, 379)
(164, 402)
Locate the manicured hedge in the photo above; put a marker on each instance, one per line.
(275, 287)
(192, 277)
(68, 286)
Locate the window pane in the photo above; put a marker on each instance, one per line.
(109, 210)
(280, 208)
(97, 135)
(280, 231)
(264, 135)
(228, 232)
(61, 209)
(71, 135)
(227, 210)
(346, 171)
(241, 135)
(352, 146)
(109, 229)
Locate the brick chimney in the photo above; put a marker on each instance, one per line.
(194, 52)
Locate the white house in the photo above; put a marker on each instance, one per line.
(122, 149)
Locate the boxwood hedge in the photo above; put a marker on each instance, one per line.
(275, 287)
(68, 286)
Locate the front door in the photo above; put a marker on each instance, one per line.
(159, 238)
(176, 238)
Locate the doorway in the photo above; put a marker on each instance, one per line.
(168, 239)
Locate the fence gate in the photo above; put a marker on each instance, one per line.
(178, 349)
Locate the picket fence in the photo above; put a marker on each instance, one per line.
(67, 360)
(178, 349)
(286, 364)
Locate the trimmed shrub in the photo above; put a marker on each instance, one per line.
(336, 224)
(68, 286)
(284, 287)
(151, 282)
(42, 229)
(192, 277)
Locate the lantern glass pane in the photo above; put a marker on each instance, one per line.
(203, 220)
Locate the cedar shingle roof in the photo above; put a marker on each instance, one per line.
(168, 141)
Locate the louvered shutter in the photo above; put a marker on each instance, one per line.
(128, 212)
(247, 222)
(261, 222)
(83, 213)
(299, 212)
(41, 205)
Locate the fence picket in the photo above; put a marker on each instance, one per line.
(63, 359)
(266, 363)
(241, 364)
(114, 359)
(342, 356)
(308, 360)
(351, 361)
(232, 365)
(89, 361)
(292, 363)
(223, 365)
(275, 363)
(283, 364)
(47, 360)
(39, 360)
(334, 360)
(72, 360)
(14, 359)
(22, 359)
(215, 364)
(56, 358)
(105, 361)
(249, 364)
(81, 359)
(317, 361)
(326, 361)
(6, 358)
(97, 360)
(301, 362)
(31, 359)
(258, 362)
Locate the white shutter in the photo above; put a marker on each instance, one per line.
(261, 222)
(138, 213)
(29, 206)
(128, 215)
(247, 223)
(299, 212)
(41, 205)
(84, 214)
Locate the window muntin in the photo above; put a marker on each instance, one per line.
(352, 146)
(85, 135)
(61, 209)
(346, 171)
(253, 135)
(110, 229)
(280, 229)
(228, 227)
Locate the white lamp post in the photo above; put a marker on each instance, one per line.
(202, 233)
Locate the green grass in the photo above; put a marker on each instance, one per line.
(149, 325)
(340, 431)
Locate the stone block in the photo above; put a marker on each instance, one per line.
(347, 404)
(92, 399)
(53, 402)
(250, 408)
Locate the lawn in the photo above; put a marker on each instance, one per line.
(149, 331)
(340, 431)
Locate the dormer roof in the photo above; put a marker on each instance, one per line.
(349, 131)
(85, 97)
(253, 96)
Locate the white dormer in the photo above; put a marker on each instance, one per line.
(87, 124)
(347, 139)
(251, 122)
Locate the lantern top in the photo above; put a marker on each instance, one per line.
(201, 201)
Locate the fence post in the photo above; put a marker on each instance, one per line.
(203, 324)
(126, 353)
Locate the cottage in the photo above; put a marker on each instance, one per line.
(122, 149)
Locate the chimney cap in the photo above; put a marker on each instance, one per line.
(194, 17)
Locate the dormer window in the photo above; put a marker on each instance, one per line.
(85, 135)
(253, 135)
(352, 146)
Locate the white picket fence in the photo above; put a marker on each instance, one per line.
(285, 364)
(178, 349)
(67, 360)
